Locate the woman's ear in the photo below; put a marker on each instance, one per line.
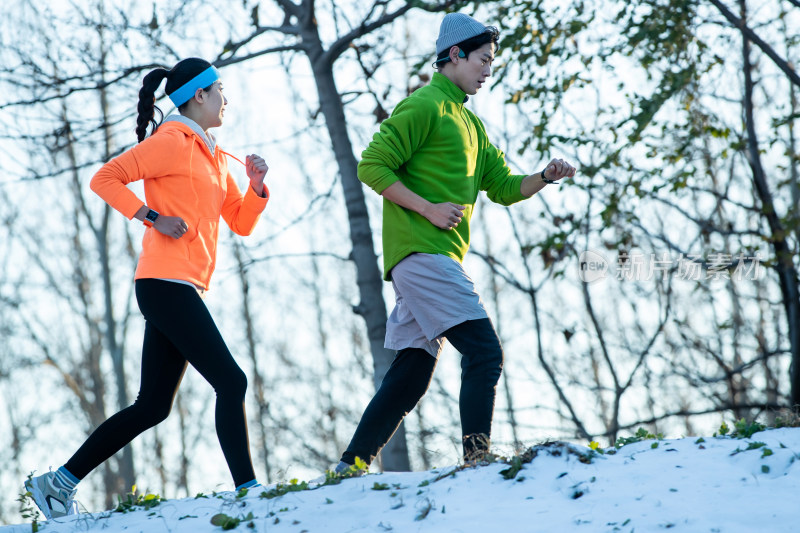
(198, 96)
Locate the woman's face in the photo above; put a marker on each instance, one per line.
(214, 105)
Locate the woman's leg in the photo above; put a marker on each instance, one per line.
(162, 370)
(181, 315)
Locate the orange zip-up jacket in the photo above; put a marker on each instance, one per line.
(182, 178)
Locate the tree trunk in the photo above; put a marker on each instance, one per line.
(784, 265)
(372, 307)
(258, 378)
(125, 476)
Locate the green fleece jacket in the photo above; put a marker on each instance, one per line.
(439, 150)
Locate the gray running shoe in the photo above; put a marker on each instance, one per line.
(53, 501)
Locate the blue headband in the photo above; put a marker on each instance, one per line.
(201, 81)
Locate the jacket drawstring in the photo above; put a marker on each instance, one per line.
(265, 193)
(191, 174)
(233, 156)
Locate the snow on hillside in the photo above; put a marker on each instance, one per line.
(714, 485)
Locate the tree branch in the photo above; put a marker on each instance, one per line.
(499, 269)
(289, 7)
(98, 86)
(742, 367)
(698, 412)
(297, 255)
(231, 47)
(343, 42)
(234, 60)
(751, 35)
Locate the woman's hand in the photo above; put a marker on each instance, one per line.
(256, 170)
(173, 227)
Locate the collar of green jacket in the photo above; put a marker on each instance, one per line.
(443, 83)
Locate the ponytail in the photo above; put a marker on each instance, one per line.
(185, 71)
(147, 103)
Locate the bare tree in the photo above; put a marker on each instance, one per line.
(259, 380)
(784, 257)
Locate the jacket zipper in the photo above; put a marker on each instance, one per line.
(469, 132)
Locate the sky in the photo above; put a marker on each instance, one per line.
(716, 484)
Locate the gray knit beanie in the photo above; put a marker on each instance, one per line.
(456, 28)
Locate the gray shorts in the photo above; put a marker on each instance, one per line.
(433, 293)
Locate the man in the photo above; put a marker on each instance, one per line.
(429, 161)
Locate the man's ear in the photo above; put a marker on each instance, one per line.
(455, 53)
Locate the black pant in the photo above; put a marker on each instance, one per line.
(409, 377)
(178, 330)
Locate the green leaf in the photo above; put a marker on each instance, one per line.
(745, 429)
(514, 468)
(224, 521)
(360, 464)
(295, 486)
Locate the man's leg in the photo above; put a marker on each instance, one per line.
(403, 385)
(481, 365)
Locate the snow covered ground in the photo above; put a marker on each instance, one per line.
(715, 484)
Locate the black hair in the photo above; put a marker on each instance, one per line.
(181, 73)
(491, 35)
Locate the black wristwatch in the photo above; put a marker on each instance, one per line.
(549, 182)
(150, 218)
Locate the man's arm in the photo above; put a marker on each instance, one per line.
(445, 215)
(554, 171)
(397, 139)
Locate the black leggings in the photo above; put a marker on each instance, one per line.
(409, 377)
(178, 330)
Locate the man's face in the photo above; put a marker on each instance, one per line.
(470, 73)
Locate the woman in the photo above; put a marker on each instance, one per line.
(187, 187)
